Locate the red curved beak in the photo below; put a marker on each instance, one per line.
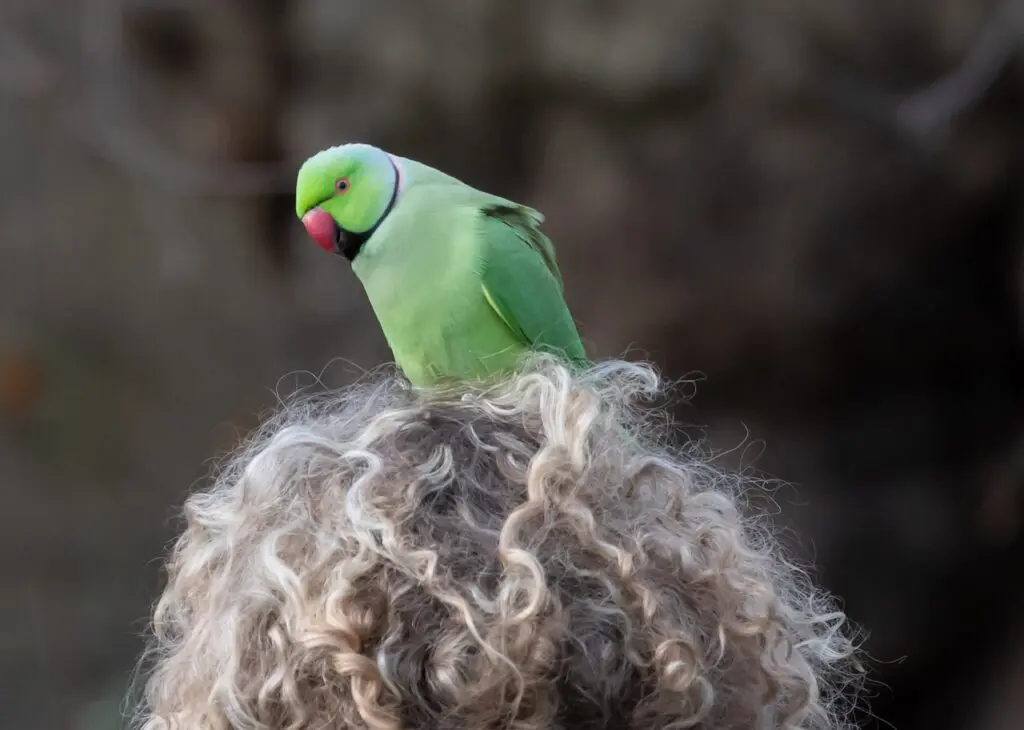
(321, 228)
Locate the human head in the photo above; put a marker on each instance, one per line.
(532, 555)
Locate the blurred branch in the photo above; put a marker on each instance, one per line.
(116, 131)
(931, 110)
(926, 115)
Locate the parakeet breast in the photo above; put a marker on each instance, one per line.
(425, 288)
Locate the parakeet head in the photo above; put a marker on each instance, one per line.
(343, 194)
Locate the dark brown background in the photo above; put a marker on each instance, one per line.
(769, 192)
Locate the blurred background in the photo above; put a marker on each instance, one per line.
(816, 204)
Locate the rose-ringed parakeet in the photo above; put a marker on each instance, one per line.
(463, 282)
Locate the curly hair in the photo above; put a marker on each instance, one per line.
(528, 555)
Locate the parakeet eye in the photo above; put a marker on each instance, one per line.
(342, 185)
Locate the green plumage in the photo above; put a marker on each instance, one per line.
(463, 283)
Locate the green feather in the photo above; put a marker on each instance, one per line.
(522, 283)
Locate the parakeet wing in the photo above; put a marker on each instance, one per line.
(522, 283)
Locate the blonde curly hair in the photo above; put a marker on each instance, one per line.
(529, 555)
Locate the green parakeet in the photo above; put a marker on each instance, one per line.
(463, 282)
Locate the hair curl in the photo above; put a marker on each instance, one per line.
(528, 555)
